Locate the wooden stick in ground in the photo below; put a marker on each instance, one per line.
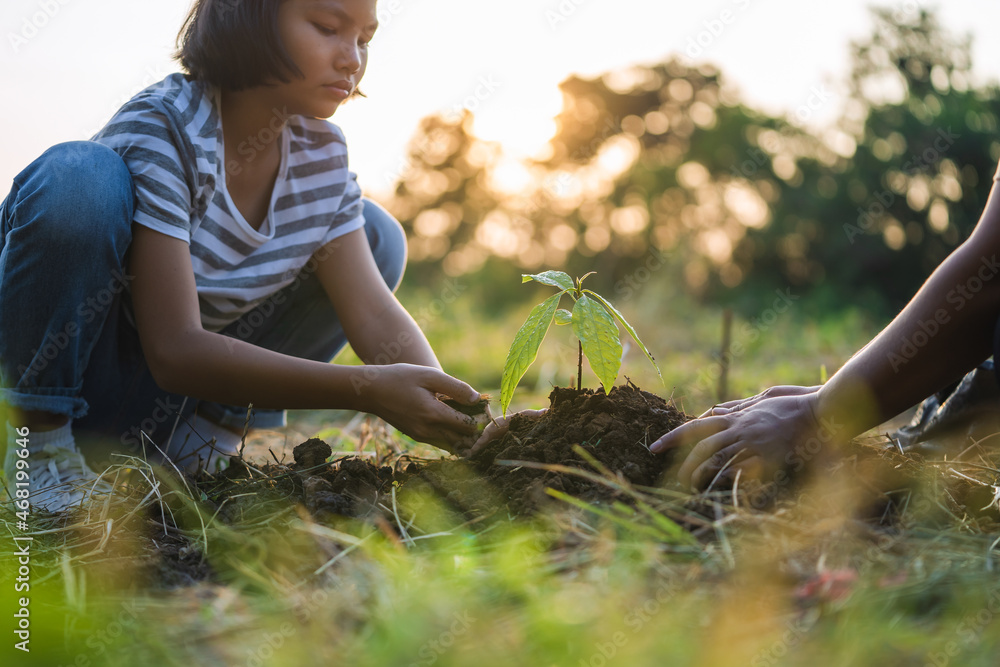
(724, 357)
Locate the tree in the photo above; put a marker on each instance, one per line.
(665, 160)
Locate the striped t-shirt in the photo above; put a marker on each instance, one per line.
(170, 137)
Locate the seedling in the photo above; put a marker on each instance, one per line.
(593, 319)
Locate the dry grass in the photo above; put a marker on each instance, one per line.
(846, 571)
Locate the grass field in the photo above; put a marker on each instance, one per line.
(809, 582)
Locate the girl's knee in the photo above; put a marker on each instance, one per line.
(86, 172)
(78, 190)
(388, 242)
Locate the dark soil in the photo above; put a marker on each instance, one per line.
(504, 476)
(614, 429)
(507, 478)
(587, 445)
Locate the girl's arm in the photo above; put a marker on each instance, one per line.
(378, 327)
(186, 359)
(380, 331)
(945, 330)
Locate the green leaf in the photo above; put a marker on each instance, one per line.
(563, 316)
(599, 334)
(553, 278)
(524, 349)
(628, 327)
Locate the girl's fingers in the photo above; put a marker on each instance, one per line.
(451, 441)
(499, 426)
(445, 384)
(693, 431)
(495, 429)
(453, 420)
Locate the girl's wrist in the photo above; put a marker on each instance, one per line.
(354, 384)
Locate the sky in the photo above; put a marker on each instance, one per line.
(67, 65)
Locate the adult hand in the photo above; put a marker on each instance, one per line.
(771, 434)
(499, 426)
(772, 392)
(405, 395)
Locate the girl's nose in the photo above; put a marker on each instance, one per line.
(350, 58)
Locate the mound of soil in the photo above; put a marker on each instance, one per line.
(506, 478)
(512, 473)
(583, 445)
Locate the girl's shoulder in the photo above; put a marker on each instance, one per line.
(177, 102)
(176, 92)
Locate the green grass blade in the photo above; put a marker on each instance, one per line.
(554, 278)
(599, 334)
(524, 349)
(635, 526)
(628, 327)
(671, 529)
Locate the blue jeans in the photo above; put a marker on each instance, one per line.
(67, 342)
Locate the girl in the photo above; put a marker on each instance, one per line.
(208, 249)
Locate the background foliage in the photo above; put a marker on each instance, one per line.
(663, 165)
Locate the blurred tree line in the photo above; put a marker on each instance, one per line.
(664, 166)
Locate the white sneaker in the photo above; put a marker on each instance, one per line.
(58, 476)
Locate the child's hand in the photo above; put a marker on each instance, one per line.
(770, 435)
(405, 395)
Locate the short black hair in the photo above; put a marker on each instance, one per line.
(234, 44)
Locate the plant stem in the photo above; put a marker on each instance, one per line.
(579, 368)
(722, 393)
